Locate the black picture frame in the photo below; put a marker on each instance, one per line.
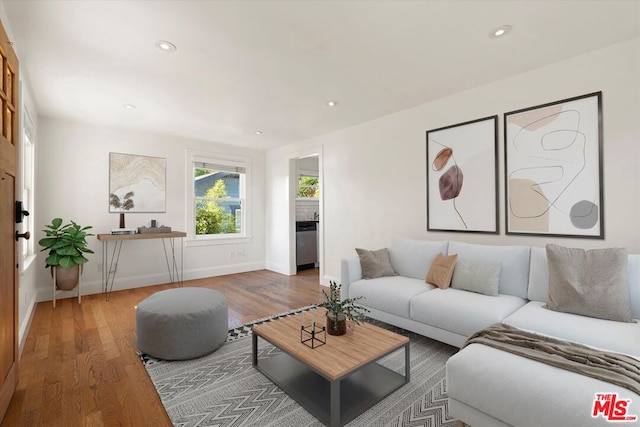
(462, 177)
(553, 169)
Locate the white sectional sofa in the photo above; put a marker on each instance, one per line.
(488, 387)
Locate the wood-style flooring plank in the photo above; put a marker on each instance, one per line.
(80, 367)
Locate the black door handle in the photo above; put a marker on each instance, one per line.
(26, 235)
(20, 213)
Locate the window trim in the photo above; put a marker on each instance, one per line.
(29, 255)
(195, 156)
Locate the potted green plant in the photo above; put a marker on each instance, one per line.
(339, 310)
(67, 245)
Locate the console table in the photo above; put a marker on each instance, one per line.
(109, 261)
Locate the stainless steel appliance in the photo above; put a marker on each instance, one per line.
(306, 244)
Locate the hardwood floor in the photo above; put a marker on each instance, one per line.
(79, 366)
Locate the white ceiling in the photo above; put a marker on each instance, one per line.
(266, 65)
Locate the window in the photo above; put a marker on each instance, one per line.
(308, 187)
(218, 205)
(27, 247)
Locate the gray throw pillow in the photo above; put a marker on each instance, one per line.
(590, 282)
(479, 277)
(375, 263)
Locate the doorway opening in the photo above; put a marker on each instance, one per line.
(306, 214)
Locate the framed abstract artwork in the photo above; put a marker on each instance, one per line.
(553, 169)
(136, 183)
(462, 177)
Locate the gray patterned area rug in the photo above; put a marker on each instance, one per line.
(224, 389)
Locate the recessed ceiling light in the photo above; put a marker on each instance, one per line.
(129, 106)
(166, 46)
(258, 132)
(501, 31)
(332, 103)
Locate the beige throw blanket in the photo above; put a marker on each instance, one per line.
(613, 368)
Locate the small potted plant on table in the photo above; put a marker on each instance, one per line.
(124, 205)
(338, 311)
(67, 245)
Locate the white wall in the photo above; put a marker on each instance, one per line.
(375, 173)
(72, 176)
(278, 226)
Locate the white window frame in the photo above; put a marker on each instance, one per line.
(27, 190)
(194, 157)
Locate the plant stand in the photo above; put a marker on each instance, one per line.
(56, 290)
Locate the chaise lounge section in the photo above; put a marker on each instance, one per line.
(488, 387)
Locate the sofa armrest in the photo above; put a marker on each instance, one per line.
(350, 272)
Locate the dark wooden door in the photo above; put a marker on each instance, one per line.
(8, 245)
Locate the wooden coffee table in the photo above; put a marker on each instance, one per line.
(337, 381)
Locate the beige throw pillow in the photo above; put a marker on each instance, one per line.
(479, 277)
(375, 263)
(441, 270)
(590, 282)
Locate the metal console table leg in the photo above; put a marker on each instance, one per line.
(109, 266)
(110, 259)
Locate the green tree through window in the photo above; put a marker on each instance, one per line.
(308, 187)
(218, 206)
(211, 216)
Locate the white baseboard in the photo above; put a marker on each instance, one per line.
(279, 268)
(95, 287)
(201, 273)
(326, 279)
(26, 325)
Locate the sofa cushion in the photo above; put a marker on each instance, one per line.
(514, 276)
(375, 263)
(480, 277)
(538, 275)
(526, 393)
(462, 312)
(441, 270)
(389, 294)
(621, 337)
(412, 258)
(539, 279)
(589, 282)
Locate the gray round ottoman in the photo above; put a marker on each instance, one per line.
(181, 323)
